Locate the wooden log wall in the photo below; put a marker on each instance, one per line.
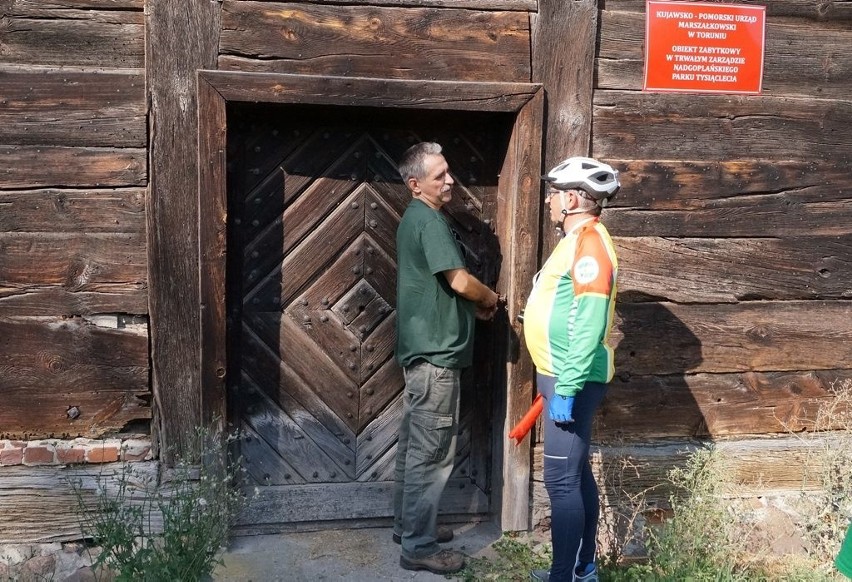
(733, 231)
(734, 242)
(73, 264)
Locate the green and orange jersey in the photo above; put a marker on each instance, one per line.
(569, 314)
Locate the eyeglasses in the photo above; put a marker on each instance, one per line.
(551, 192)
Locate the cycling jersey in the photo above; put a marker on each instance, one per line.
(570, 311)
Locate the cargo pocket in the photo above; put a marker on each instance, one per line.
(430, 435)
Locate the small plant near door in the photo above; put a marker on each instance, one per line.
(167, 530)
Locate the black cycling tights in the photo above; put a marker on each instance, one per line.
(569, 481)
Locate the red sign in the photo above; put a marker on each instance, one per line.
(697, 47)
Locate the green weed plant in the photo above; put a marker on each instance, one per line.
(167, 530)
(514, 556)
(703, 538)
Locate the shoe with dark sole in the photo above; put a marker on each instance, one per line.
(444, 562)
(443, 534)
(540, 576)
(589, 575)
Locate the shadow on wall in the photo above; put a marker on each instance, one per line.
(650, 397)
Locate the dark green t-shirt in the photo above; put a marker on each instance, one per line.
(432, 321)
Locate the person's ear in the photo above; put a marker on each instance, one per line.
(413, 185)
(574, 202)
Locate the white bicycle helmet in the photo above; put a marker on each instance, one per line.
(597, 179)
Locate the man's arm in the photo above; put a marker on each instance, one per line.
(469, 287)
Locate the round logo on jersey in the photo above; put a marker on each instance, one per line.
(586, 270)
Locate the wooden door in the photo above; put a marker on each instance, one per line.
(314, 201)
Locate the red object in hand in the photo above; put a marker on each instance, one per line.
(528, 421)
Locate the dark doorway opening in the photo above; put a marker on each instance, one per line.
(313, 203)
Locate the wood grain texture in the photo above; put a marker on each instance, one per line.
(819, 10)
(290, 504)
(212, 234)
(631, 125)
(802, 58)
(372, 41)
(740, 198)
(50, 365)
(73, 108)
(92, 38)
(727, 270)
(517, 228)
(713, 405)
(627, 473)
(38, 505)
(73, 211)
(563, 62)
(696, 185)
(77, 274)
(182, 37)
(518, 5)
(48, 166)
(754, 336)
(29, 7)
(563, 39)
(363, 92)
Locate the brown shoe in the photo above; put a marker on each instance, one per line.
(443, 534)
(444, 562)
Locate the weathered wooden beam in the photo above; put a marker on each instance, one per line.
(365, 92)
(287, 503)
(563, 46)
(372, 41)
(822, 10)
(713, 405)
(518, 5)
(54, 300)
(77, 274)
(727, 270)
(647, 126)
(637, 475)
(75, 167)
(38, 504)
(518, 217)
(742, 198)
(73, 108)
(802, 58)
(755, 336)
(73, 211)
(76, 261)
(32, 413)
(26, 6)
(697, 185)
(82, 38)
(181, 38)
(212, 217)
(50, 366)
(563, 51)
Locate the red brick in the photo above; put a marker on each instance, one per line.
(11, 456)
(135, 450)
(102, 454)
(38, 455)
(68, 455)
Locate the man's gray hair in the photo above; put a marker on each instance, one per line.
(413, 162)
(587, 203)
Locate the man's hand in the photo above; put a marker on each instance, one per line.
(486, 314)
(469, 287)
(561, 409)
(489, 302)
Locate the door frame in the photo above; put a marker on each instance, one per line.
(518, 227)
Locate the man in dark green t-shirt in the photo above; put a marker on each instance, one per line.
(437, 301)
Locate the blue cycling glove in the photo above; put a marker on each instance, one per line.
(561, 409)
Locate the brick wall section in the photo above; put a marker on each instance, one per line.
(76, 451)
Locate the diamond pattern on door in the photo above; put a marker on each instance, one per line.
(314, 205)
